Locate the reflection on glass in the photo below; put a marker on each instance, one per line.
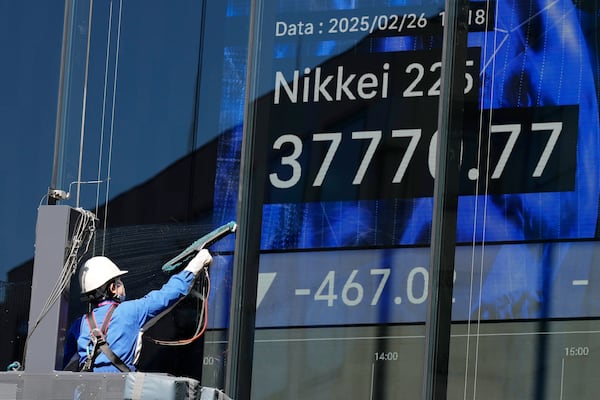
(346, 106)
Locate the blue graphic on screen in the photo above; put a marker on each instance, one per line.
(555, 69)
(538, 54)
(525, 63)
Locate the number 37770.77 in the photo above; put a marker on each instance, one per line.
(292, 174)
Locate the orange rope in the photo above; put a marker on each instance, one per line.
(198, 333)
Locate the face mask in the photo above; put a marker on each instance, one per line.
(119, 288)
(122, 297)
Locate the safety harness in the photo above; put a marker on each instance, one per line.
(99, 343)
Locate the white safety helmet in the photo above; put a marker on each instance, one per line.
(96, 272)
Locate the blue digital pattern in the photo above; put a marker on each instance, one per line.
(541, 61)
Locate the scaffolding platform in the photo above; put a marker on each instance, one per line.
(59, 385)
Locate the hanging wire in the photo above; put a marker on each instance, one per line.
(83, 111)
(112, 125)
(106, 63)
(202, 294)
(85, 226)
(83, 233)
(483, 73)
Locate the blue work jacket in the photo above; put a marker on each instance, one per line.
(126, 325)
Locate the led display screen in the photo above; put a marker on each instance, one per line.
(346, 112)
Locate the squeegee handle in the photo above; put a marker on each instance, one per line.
(180, 261)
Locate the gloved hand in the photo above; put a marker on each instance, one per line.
(200, 260)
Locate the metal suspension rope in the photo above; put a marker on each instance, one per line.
(84, 105)
(485, 205)
(85, 228)
(104, 90)
(85, 223)
(112, 124)
(83, 234)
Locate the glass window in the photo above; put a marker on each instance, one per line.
(335, 133)
(30, 38)
(152, 99)
(344, 98)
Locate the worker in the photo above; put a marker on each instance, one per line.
(115, 345)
